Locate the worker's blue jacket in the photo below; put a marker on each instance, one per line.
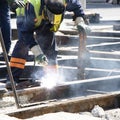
(33, 19)
(34, 13)
(75, 6)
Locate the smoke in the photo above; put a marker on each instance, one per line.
(37, 73)
(48, 80)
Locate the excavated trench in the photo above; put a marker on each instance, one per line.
(76, 96)
(101, 88)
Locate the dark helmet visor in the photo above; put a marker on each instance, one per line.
(56, 7)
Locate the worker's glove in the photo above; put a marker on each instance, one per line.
(41, 59)
(17, 3)
(81, 26)
(14, 4)
(86, 21)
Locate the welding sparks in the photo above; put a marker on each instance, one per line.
(50, 80)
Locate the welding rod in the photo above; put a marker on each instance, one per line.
(9, 70)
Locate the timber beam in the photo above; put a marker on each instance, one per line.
(74, 105)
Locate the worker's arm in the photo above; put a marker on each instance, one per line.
(19, 3)
(75, 7)
(79, 16)
(14, 4)
(81, 25)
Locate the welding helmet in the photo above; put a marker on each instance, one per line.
(55, 12)
(55, 6)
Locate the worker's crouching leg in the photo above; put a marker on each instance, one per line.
(20, 84)
(17, 66)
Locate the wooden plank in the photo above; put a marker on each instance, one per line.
(104, 44)
(96, 72)
(67, 89)
(74, 105)
(81, 54)
(106, 33)
(104, 70)
(35, 94)
(104, 54)
(104, 63)
(101, 39)
(92, 53)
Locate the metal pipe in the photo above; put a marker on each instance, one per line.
(81, 55)
(9, 70)
(97, 91)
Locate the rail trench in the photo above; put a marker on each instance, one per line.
(99, 86)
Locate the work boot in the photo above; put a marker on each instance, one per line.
(2, 89)
(23, 84)
(27, 84)
(9, 86)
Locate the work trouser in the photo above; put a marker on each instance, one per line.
(45, 39)
(5, 23)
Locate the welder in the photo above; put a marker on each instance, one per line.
(42, 17)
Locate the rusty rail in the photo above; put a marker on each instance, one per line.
(81, 55)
